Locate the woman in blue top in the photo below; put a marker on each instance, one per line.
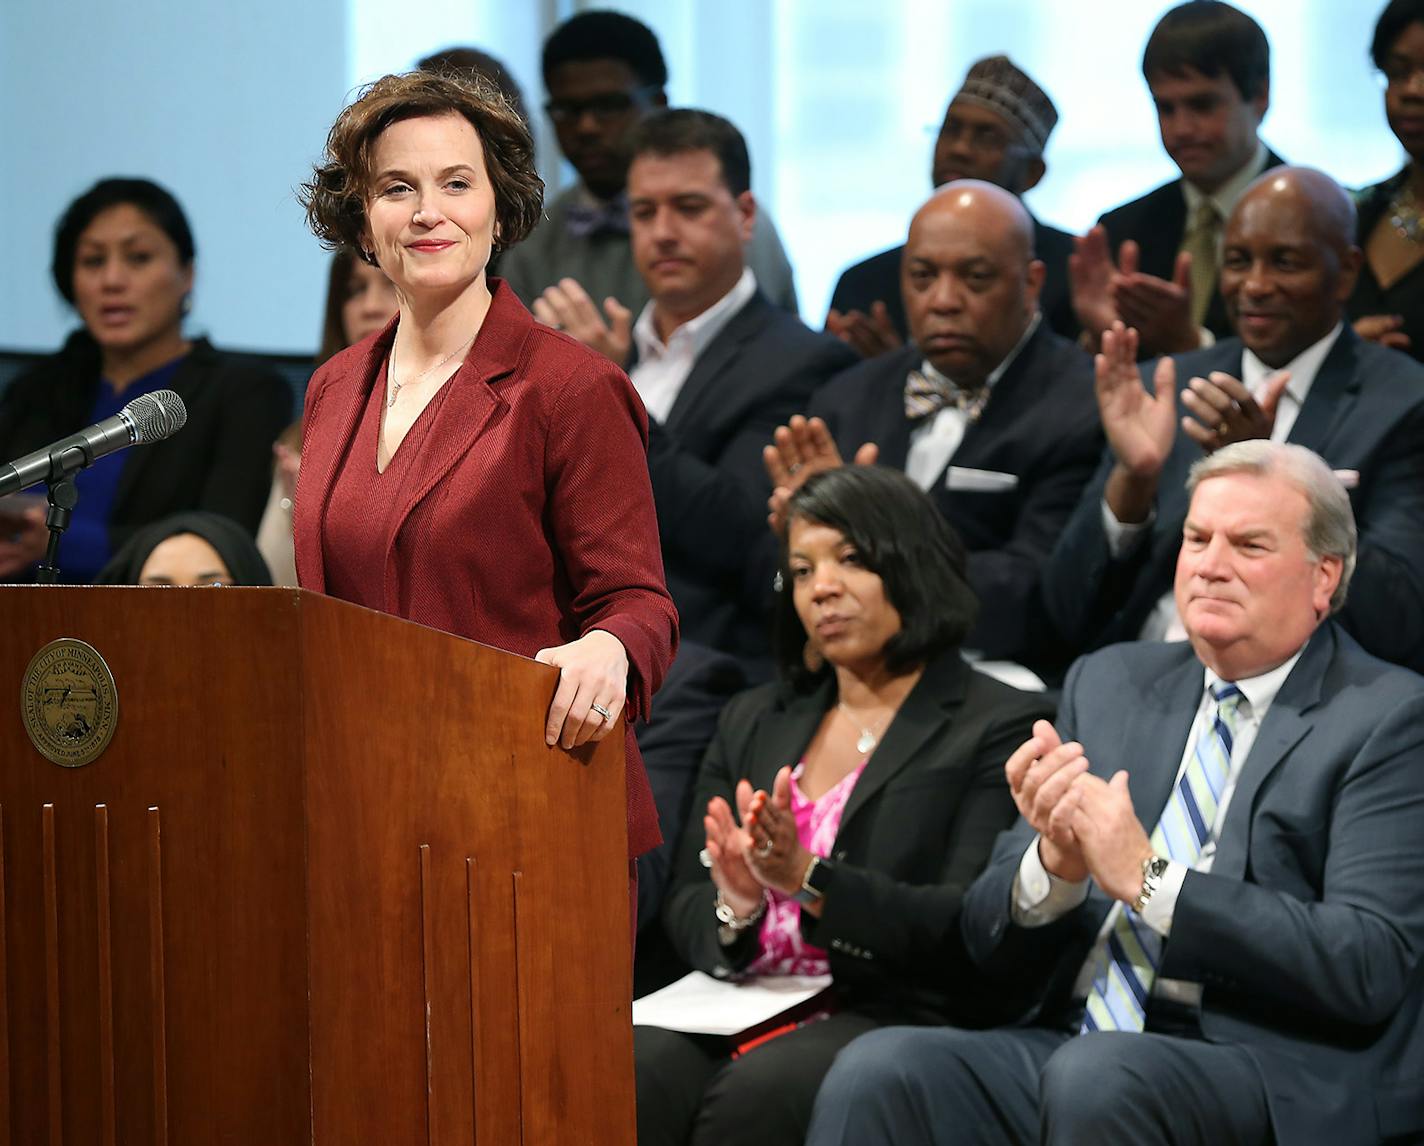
(123, 258)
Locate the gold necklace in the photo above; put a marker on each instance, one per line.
(396, 386)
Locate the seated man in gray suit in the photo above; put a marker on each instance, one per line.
(1295, 372)
(988, 409)
(718, 367)
(1210, 907)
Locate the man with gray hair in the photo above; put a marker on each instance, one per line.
(1210, 908)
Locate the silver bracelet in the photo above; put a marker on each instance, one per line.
(732, 924)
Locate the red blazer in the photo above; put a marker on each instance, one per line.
(531, 516)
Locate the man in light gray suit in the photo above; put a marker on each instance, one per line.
(1211, 906)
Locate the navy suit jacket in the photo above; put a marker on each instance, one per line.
(877, 279)
(1365, 412)
(1307, 934)
(709, 482)
(1157, 223)
(1041, 425)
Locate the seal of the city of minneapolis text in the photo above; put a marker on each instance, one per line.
(69, 703)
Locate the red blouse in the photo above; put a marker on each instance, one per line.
(522, 518)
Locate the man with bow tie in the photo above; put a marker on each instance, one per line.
(987, 408)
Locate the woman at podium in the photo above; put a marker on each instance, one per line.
(466, 467)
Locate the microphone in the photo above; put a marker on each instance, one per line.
(148, 418)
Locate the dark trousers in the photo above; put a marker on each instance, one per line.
(690, 1092)
(914, 1086)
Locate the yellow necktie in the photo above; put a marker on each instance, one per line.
(1201, 243)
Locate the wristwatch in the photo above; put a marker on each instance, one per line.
(814, 882)
(1154, 867)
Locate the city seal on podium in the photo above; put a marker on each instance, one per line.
(69, 703)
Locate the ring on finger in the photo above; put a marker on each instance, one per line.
(765, 850)
(794, 468)
(603, 712)
(1221, 428)
(704, 857)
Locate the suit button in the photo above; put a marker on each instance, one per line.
(840, 855)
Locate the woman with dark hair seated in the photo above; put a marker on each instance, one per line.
(848, 806)
(188, 549)
(123, 258)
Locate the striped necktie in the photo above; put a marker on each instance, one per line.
(1126, 965)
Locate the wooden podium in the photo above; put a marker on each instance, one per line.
(325, 885)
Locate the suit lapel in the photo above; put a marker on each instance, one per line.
(1332, 395)
(1286, 724)
(931, 705)
(703, 391)
(341, 406)
(783, 741)
(1003, 410)
(1167, 722)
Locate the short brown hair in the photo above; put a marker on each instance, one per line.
(335, 197)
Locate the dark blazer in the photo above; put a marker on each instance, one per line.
(1307, 934)
(1365, 412)
(1157, 223)
(1041, 425)
(915, 832)
(877, 279)
(530, 520)
(1404, 298)
(709, 482)
(220, 461)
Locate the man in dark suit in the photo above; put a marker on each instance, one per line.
(1247, 971)
(1208, 68)
(1296, 373)
(718, 366)
(995, 129)
(987, 409)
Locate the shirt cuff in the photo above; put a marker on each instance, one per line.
(1163, 904)
(1122, 537)
(1039, 897)
(1205, 338)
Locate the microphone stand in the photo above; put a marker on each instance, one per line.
(63, 497)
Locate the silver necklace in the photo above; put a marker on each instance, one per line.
(869, 737)
(396, 386)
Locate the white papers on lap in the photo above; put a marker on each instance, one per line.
(698, 1004)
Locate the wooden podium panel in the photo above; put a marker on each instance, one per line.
(326, 884)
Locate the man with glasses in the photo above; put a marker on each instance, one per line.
(994, 130)
(604, 73)
(1208, 67)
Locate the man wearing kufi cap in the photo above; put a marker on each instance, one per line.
(995, 129)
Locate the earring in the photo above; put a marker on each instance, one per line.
(186, 306)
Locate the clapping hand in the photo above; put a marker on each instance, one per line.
(566, 306)
(800, 448)
(777, 858)
(1042, 775)
(866, 334)
(1224, 411)
(1160, 310)
(728, 845)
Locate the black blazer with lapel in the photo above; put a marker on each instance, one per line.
(877, 279)
(220, 461)
(709, 482)
(915, 832)
(1040, 425)
(1307, 935)
(1157, 223)
(1364, 412)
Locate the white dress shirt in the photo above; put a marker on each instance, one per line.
(1163, 623)
(934, 441)
(661, 370)
(1040, 898)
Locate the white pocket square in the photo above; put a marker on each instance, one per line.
(979, 481)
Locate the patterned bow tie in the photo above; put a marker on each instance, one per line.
(926, 396)
(584, 220)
